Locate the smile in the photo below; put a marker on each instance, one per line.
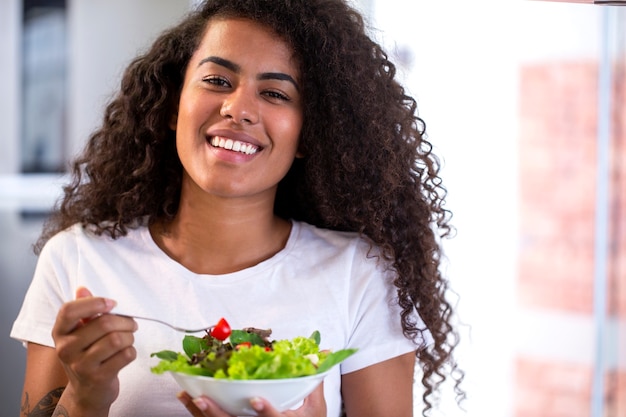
(234, 145)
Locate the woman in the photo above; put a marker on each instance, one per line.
(259, 163)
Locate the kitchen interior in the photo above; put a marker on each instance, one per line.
(525, 101)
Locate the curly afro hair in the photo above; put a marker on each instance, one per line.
(368, 166)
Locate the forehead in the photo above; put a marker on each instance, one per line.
(243, 40)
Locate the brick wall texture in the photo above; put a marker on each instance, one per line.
(558, 174)
(553, 389)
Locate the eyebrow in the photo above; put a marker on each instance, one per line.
(236, 68)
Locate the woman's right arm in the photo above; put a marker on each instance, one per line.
(44, 382)
(79, 377)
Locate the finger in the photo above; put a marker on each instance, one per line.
(187, 401)
(113, 364)
(314, 405)
(102, 372)
(99, 341)
(73, 314)
(184, 398)
(101, 362)
(201, 406)
(106, 324)
(105, 335)
(263, 407)
(109, 345)
(83, 292)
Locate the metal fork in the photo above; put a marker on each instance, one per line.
(180, 329)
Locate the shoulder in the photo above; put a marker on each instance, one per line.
(313, 235)
(351, 249)
(73, 235)
(63, 240)
(78, 237)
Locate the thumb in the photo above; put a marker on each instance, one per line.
(83, 292)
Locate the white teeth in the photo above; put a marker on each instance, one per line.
(234, 145)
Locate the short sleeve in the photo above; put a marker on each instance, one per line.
(48, 290)
(375, 314)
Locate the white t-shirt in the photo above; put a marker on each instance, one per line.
(322, 280)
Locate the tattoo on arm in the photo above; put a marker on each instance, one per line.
(46, 407)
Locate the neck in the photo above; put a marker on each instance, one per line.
(222, 236)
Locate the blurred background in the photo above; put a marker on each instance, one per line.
(524, 101)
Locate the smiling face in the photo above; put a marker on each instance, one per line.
(240, 113)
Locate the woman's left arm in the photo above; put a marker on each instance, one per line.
(381, 390)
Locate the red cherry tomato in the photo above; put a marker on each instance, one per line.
(221, 330)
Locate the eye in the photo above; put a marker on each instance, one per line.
(276, 95)
(216, 80)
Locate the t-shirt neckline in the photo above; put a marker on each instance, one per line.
(254, 270)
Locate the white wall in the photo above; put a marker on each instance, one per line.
(105, 35)
(10, 26)
(459, 66)
(461, 61)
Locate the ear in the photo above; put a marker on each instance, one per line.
(173, 120)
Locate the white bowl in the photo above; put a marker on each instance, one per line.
(234, 395)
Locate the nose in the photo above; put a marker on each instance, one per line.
(240, 106)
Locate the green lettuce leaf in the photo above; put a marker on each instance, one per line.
(292, 358)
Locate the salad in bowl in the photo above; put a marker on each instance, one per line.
(232, 366)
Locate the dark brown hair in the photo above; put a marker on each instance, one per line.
(368, 166)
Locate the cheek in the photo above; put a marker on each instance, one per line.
(195, 107)
(290, 128)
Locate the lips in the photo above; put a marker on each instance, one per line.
(234, 145)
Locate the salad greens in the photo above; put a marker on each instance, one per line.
(249, 354)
